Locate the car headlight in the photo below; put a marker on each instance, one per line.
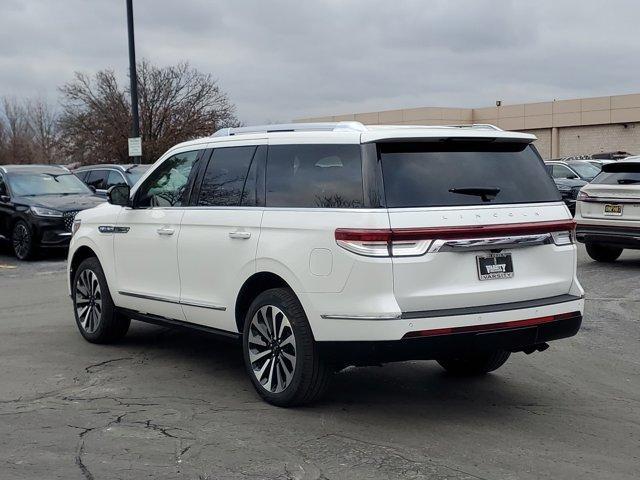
(46, 212)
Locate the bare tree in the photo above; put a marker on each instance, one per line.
(43, 125)
(177, 103)
(28, 132)
(16, 147)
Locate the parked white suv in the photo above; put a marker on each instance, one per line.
(608, 211)
(326, 245)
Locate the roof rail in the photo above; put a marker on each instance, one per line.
(294, 127)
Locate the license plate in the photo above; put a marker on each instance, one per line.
(494, 266)
(610, 209)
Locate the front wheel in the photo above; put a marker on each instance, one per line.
(476, 364)
(23, 241)
(603, 253)
(96, 315)
(280, 354)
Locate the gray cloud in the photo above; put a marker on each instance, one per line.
(285, 59)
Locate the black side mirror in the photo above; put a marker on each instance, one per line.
(5, 198)
(572, 176)
(119, 195)
(92, 188)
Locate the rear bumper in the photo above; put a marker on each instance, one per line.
(402, 325)
(624, 237)
(444, 345)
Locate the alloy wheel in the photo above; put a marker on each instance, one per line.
(21, 240)
(88, 301)
(272, 348)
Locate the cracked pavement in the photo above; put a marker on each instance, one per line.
(172, 404)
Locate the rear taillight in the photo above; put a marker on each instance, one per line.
(372, 243)
(563, 238)
(411, 242)
(583, 197)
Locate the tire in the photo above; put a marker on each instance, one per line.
(93, 308)
(603, 253)
(23, 241)
(267, 357)
(477, 364)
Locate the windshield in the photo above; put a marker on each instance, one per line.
(34, 184)
(134, 174)
(464, 173)
(585, 169)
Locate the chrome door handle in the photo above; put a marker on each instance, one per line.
(165, 231)
(241, 235)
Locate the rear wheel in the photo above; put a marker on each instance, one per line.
(476, 364)
(23, 241)
(603, 253)
(280, 354)
(96, 315)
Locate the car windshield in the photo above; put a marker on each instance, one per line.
(34, 184)
(134, 174)
(585, 169)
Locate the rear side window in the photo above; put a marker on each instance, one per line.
(464, 173)
(97, 179)
(320, 176)
(227, 176)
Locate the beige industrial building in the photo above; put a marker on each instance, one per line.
(564, 128)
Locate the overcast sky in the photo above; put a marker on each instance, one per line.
(280, 60)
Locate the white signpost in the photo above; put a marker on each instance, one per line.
(135, 147)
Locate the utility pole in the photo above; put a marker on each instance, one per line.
(135, 142)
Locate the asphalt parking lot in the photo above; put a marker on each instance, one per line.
(173, 404)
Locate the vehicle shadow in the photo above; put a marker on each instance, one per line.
(404, 387)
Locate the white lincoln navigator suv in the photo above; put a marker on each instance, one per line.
(319, 246)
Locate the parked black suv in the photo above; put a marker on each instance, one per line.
(568, 187)
(38, 204)
(103, 177)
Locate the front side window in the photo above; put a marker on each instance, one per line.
(560, 171)
(585, 169)
(320, 176)
(433, 174)
(3, 186)
(227, 177)
(35, 184)
(167, 184)
(115, 178)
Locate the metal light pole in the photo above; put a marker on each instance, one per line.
(134, 153)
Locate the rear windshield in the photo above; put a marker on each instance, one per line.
(625, 175)
(464, 173)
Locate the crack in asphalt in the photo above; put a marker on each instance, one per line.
(89, 369)
(83, 468)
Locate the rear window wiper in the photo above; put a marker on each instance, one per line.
(485, 193)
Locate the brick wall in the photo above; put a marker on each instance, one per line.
(543, 143)
(599, 138)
